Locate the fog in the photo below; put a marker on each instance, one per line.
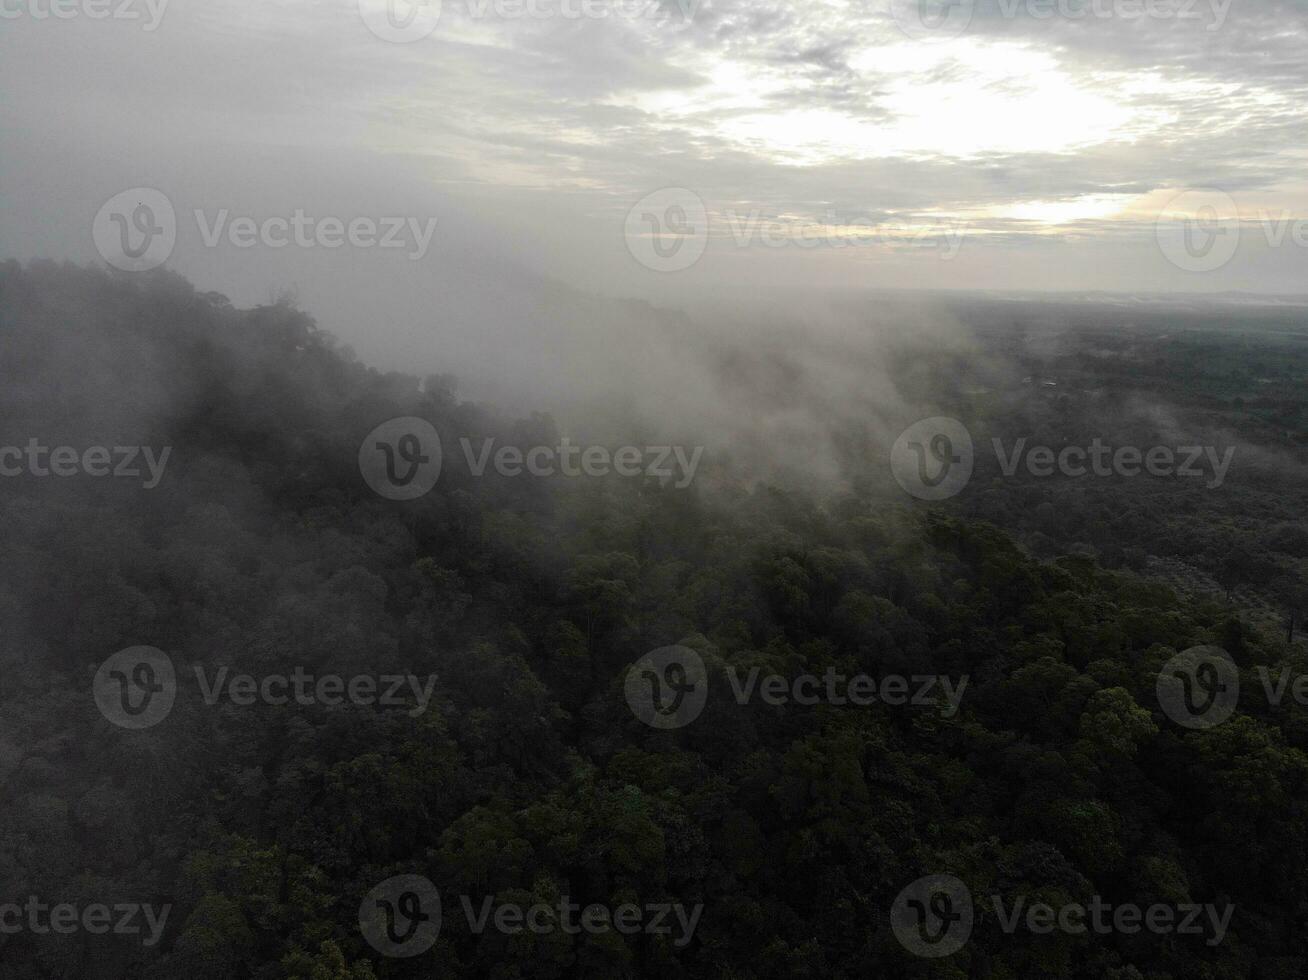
(528, 141)
(512, 154)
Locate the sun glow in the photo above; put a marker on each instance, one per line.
(963, 99)
(1088, 208)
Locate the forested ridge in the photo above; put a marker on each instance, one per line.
(528, 777)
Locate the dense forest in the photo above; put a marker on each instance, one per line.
(784, 831)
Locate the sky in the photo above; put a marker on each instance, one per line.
(692, 155)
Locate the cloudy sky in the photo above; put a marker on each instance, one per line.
(1005, 144)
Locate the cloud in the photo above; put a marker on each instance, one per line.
(1053, 139)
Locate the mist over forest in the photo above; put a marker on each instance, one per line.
(550, 489)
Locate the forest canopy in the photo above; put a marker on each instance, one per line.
(774, 835)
